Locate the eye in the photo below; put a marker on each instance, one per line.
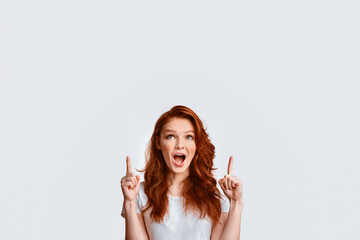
(189, 137)
(170, 136)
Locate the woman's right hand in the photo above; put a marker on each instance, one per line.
(130, 184)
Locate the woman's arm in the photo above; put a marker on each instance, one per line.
(217, 229)
(232, 227)
(134, 222)
(229, 224)
(232, 187)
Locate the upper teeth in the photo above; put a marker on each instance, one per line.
(179, 155)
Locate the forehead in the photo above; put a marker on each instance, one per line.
(178, 125)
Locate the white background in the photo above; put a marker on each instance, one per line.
(276, 83)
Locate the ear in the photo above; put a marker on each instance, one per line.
(157, 142)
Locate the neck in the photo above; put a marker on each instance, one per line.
(175, 182)
(176, 178)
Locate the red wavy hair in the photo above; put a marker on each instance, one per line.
(199, 189)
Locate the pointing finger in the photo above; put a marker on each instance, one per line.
(230, 166)
(128, 165)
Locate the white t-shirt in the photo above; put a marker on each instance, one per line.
(176, 225)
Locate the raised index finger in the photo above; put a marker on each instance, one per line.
(230, 166)
(128, 165)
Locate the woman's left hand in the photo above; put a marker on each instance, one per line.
(231, 185)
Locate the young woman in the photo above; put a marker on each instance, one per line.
(179, 198)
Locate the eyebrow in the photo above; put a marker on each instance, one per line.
(169, 130)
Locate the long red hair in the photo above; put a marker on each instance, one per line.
(199, 189)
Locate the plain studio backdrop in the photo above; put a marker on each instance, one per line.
(275, 82)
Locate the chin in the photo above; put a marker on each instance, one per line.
(175, 169)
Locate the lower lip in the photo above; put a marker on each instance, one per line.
(179, 165)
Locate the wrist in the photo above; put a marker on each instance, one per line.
(236, 203)
(129, 203)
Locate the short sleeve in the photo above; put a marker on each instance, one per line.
(139, 201)
(225, 204)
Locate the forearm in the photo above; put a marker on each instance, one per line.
(133, 229)
(232, 228)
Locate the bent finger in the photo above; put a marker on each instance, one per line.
(128, 185)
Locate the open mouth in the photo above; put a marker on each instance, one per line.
(179, 159)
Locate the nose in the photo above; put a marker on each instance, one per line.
(179, 144)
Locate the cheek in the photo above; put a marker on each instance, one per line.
(192, 148)
(166, 147)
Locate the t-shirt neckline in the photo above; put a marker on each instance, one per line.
(175, 197)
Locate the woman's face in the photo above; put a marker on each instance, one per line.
(177, 144)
